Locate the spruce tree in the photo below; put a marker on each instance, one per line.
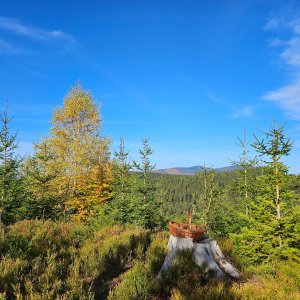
(263, 236)
(121, 206)
(161, 195)
(206, 201)
(40, 170)
(10, 181)
(276, 146)
(145, 209)
(245, 165)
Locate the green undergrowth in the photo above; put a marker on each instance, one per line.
(48, 260)
(52, 260)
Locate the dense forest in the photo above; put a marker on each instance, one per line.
(80, 222)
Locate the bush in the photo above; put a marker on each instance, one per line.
(36, 257)
(63, 261)
(136, 284)
(31, 238)
(140, 281)
(103, 260)
(12, 271)
(157, 252)
(279, 280)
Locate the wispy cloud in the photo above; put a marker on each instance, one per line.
(17, 27)
(243, 112)
(287, 96)
(272, 24)
(7, 48)
(20, 29)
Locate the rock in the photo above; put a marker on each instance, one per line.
(207, 254)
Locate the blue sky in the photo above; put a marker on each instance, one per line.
(188, 74)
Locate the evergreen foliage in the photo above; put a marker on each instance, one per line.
(244, 185)
(145, 208)
(263, 237)
(206, 203)
(41, 172)
(11, 186)
(123, 187)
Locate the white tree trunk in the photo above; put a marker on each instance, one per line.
(206, 253)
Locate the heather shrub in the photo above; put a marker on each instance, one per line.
(280, 281)
(12, 272)
(136, 284)
(277, 280)
(115, 230)
(31, 238)
(226, 245)
(112, 246)
(157, 252)
(101, 261)
(48, 260)
(36, 258)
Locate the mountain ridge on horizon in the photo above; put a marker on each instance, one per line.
(191, 170)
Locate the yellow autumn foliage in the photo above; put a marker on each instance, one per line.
(81, 153)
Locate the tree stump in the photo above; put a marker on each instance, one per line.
(206, 253)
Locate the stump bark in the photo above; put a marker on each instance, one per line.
(207, 254)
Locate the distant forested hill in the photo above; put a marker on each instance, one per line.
(191, 170)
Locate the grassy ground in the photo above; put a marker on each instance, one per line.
(67, 261)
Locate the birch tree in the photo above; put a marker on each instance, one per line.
(82, 153)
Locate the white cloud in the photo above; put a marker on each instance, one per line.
(295, 25)
(15, 26)
(243, 112)
(7, 48)
(272, 24)
(290, 53)
(287, 96)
